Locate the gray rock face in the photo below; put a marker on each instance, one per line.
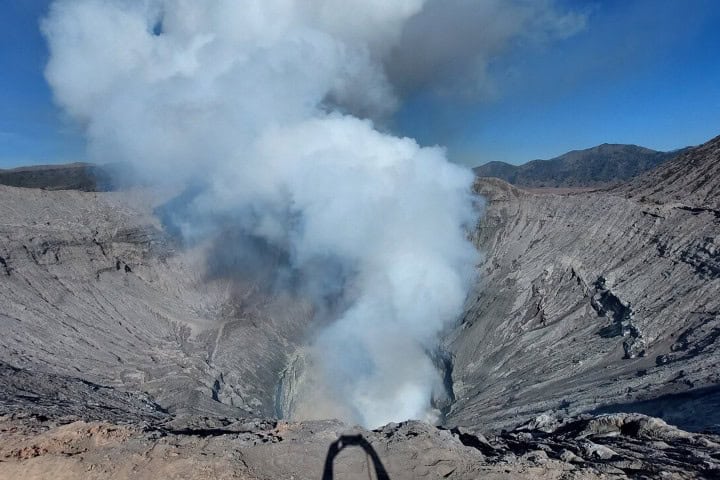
(601, 301)
(49, 396)
(691, 180)
(124, 355)
(91, 287)
(598, 166)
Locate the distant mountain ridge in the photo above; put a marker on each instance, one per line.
(599, 166)
(691, 178)
(86, 177)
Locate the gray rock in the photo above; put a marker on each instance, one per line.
(578, 293)
(124, 355)
(593, 450)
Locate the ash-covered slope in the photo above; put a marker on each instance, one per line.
(601, 301)
(596, 302)
(691, 179)
(92, 288)
(598, 166)
(105, 320)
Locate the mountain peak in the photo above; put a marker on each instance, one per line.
(598, 166)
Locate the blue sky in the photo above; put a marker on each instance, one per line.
(32, 130)
(645, 72)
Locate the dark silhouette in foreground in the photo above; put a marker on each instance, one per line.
(349, 440)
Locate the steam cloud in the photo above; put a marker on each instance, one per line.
(254, 98)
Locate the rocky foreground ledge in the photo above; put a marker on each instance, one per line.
(609, 446)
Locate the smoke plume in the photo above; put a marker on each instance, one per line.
(266, 107)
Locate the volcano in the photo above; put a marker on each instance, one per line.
(588, 344)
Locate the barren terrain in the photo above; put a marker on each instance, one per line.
(123, 355)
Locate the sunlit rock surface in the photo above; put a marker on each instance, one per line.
(91, 286)
(123, 356)
(601, 301)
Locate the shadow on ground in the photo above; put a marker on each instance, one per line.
(347, 441)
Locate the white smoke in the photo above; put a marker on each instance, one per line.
(247, 98)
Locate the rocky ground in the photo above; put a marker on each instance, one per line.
(123, 355)
(613, 446)
(92, 286)
(595, 302)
